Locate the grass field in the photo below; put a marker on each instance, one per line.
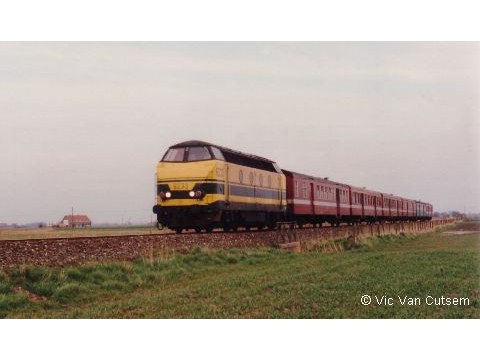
(437, 269)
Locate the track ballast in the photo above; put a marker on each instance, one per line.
(79, 250)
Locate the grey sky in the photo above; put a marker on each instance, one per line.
(83, 124)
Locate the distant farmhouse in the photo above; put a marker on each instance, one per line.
(75, 221)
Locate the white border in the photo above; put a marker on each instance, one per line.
(239, 20)
(239, 339)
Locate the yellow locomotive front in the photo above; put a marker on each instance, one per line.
(196, 189)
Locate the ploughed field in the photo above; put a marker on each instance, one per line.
(433, 275)
(56, 233)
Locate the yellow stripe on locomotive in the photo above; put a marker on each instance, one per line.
(249, 185)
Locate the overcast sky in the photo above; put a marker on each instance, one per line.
(83, 125)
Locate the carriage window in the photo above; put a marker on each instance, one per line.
(304, 190)
(198, 153)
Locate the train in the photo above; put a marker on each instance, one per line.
(201, 186)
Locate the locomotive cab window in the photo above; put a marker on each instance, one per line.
(217, 153)
(198, 153)
(194, 153)
(175, 155)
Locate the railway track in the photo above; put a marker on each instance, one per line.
(68, 251)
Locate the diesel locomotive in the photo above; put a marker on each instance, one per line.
(202, 186)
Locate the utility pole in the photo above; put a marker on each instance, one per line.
(72, 217)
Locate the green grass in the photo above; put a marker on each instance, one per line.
(258, 283)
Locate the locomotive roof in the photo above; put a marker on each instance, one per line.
(222, 148)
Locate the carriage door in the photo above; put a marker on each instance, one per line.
(337, 195)
(362, 199)
(312, 199)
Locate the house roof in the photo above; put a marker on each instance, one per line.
(77, 218)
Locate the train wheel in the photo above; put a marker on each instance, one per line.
(178, 230)
(229, 222)
(209, 228)
(198, 229)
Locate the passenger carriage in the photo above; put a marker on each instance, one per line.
(315, 200)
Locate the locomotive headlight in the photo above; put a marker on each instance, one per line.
(168, 194)
(191, 194)
(199, 194)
